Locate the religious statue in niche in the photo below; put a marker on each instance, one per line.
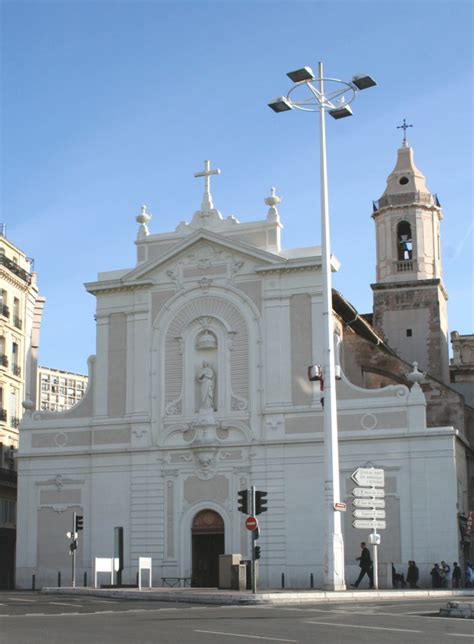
(206, 379)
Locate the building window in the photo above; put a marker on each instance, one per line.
(409, 333)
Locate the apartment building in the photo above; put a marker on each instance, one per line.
(21, 309)
(59, 390)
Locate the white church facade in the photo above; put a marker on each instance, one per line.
(199, 389)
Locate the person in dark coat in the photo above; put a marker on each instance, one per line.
(456, 581)
(413, 574)
(436, 579)
(365, 563)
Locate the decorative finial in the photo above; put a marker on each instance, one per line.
(143, 218)
(404, 126)
(28, 405)
(207, 173)
(273, 200)
(415, 376)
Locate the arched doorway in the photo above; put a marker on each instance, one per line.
(207, 535)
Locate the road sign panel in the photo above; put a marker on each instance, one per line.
(368, 503)
(368, 476)
(368, 492)
(368, 524)
(368, 514)
(251, 523)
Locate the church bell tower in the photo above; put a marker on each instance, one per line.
(409, 295)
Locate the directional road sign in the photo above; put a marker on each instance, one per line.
(368, 503)
(368, 492)
(369, 524)
(368, 477)
(368, 514)
(251, 523)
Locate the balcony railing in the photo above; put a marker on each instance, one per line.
(14, 422)
(16, 370)
(3, 360)
(406, 198)
(3, 415)
(4, 310)
(14, 268)
(405, 265)
(18, 323)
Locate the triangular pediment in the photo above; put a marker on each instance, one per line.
(200, 248)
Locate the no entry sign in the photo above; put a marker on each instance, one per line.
(251, 523)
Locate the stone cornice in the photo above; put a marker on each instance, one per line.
(386, 286)
(11, 278)
(116, 286)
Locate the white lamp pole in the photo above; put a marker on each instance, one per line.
(336, 101)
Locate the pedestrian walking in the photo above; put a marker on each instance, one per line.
(365, 563)
(413, 574)
(456, 575)
(469, 575)
(446, 574)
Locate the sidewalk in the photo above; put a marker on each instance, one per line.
(266, 597)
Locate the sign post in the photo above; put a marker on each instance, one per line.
(369, 504)
(254, 531)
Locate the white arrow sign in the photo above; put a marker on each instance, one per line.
(368, 503)
(368, 476)
(368, 514)
(367, 492)
(369, 525)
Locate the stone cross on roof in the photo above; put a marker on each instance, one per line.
(207, 173)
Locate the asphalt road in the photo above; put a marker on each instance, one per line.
(32, 618)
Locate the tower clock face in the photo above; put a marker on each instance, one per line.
(403, 181)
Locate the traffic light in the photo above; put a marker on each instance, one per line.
(243, 501)
(260, 502)
(79, 523)
(257, 553)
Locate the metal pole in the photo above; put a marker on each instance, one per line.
(334, 546)
(254, 567)
(375, 572)
(73, 562)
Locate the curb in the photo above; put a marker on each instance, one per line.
(200, 596)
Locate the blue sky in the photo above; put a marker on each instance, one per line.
(108, 105)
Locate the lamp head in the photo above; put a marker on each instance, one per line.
(340, 112)
(364, 81)
(280, 104)
(300, 75)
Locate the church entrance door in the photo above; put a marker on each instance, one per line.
(207, 544)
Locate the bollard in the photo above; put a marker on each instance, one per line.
(85, 578)
(282, 579)
(59, 579)
(33, 582)
(311, 580)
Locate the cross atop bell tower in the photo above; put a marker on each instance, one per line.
(404, 126)
(409, 295)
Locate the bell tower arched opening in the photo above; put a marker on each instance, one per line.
(404, 241)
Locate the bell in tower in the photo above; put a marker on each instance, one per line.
(409, 295)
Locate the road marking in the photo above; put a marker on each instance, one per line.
(458, 635)
(64, 604)
(20, 599)
(372, 628)
(253, 637)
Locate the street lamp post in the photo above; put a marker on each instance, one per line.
(333, 96)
